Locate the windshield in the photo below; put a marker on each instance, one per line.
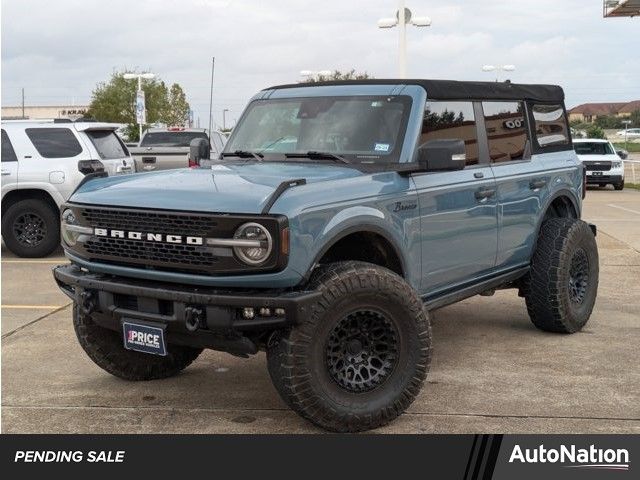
(358, 128)
(593, 148)
(171, 139)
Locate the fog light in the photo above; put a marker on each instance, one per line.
(265, 312)
(248, 313)
(280, 312)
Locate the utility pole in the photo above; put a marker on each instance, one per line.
(213, 66)
(23, 103)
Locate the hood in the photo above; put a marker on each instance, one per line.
(599, 158)
(229, 188)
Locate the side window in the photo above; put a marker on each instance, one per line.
(8, 154)
(107, 144)
(506, 131)
(550, 125)
(451, 120)
(54, 142)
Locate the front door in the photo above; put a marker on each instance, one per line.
(458, 210)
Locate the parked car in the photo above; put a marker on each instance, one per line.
(603, 164)
(337, 217)
(42, 163)
(630, 133)
(166, 148)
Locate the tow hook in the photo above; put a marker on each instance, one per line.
(86, 302)
(193, 318)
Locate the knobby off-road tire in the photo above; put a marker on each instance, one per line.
(105, 348)
(619, 186)
(563, 281)
(359, 359)
(31, 228)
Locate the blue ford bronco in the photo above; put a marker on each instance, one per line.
(337, 217)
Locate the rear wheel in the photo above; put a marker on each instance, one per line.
(31, 228)
(563, 281)
(359, 359)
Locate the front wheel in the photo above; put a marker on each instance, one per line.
(619, 186)
(360, 358)
(563, 281)
(105, 348)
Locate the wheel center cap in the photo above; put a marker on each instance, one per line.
(354, 347)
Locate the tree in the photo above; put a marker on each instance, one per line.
(338, 75)
(114, 101)
(178, 108)
(594, 131)
(635, 119)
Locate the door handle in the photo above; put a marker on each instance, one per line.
(5, 173)
(537, 183)
(484, 193)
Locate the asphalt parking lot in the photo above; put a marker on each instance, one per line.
(492, 371)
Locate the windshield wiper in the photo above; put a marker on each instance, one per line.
(243, 154)
(319, 155)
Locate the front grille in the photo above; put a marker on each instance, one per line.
(167, 256)
(598, 166)
(149, 221)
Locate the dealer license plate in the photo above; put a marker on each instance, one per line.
(596, 174)
(144, 338)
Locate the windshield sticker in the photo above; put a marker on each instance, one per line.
(381, 147)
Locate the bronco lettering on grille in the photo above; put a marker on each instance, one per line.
(149, 237)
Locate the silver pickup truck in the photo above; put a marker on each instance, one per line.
(166, 148)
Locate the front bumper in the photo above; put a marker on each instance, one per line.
(606, 177)
(193, 316)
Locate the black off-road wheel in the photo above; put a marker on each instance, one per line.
(359, 359)
(563, 281)
(31, 228)
(105, 348)
(619, 186)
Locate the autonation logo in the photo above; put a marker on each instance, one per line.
(573, 457)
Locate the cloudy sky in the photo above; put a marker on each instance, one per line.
(58, 50)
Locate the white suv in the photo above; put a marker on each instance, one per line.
(42, 164)
(602, 162)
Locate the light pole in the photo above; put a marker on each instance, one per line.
(493, 68)
(224, 119)
(141, 113)
(309, 74)
(403, 17)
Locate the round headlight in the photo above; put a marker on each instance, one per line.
(69, 236)
(254, 243)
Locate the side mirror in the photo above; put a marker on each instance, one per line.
(198, 150)
(442, 155)
(623, 154)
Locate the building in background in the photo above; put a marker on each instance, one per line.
(621, 8)
(588, 112)
(44, 112)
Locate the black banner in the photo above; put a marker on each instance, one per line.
(465, 457)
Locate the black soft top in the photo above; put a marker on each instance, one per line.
(459, 90)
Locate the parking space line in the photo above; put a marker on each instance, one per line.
(36, 261)
(32, 307)
(623, 208)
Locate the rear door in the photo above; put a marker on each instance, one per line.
(523, 180)
(457, 209)
(9, 164)
(111, 151)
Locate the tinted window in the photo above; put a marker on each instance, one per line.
(8, 155)
(551, 125)
(506, 131)
(171, 139)
(107, 144)
(451, 120)
(593, 148)
(54, 142)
